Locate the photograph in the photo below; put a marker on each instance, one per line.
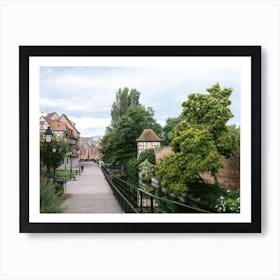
(164, 132)
(140, 139)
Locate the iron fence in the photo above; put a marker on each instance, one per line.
(136, 200)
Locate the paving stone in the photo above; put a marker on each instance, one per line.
(90, 193)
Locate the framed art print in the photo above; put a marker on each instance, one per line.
(140, 138)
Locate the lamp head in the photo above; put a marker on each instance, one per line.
(48, 135)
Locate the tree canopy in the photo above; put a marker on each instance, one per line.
(129, 119)
(50, 158)
(212, 111)
(199, 139)
(169, 127)
(124, 100)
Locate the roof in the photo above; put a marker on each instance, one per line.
(148, 135)
(56, 125)
(52, 116)
(70, 122)
(55, 122)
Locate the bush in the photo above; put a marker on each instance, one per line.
(229, 203)
(149, 155)
(215, 197)
(131, 171)
(59, 189)
(49, 199)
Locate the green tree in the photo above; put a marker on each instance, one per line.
(195, 152)
(199, 140)
(129, 119)
(212, 110)
(50, 158)
(124, 100)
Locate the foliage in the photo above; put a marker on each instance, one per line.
(215, 197)
(169, 127)
(212, 110)
(229, 203)
(198, 140)
(147, 170)
(129, 119)
(124, 100)
(206, 194)
(168, 207)
(50, 158)
(50, 200)
(195, 152)
(229, 141)
(59, 189)
(149, 155)
(131, 171)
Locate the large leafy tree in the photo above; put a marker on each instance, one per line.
(195, 152)
(119, 143)
(124, 100)
(212, 111)
(199, 140)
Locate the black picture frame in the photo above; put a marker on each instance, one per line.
(254, 52)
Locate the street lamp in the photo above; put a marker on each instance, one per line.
(54, 151)
(48, 138)
(48, 135)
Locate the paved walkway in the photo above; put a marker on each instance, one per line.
(90, 193)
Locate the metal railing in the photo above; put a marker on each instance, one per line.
(125, 204)
(137, 200)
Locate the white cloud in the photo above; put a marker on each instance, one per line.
(77, 104)
(91, 93)
(91, 126)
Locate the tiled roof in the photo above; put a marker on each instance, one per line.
(70, 122)
(56, 125)
(148, 135)
(51, 115)
(46, 119)
(59, 124)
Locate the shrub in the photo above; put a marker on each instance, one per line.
(149, 155)
(131, 171)
(49, 199)
(59, 189)
(229, 203)
(145, 175)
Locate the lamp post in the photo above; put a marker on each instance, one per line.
(48, 138)
(54, 151)
(71, 164)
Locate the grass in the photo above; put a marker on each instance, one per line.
(65, 173)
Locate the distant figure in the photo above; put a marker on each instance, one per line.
(82, 168)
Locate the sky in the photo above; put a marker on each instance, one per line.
(86, 94)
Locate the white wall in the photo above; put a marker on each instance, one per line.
(139, 256)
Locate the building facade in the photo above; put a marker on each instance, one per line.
(148, 140)
(64, 129)
(89, 149)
